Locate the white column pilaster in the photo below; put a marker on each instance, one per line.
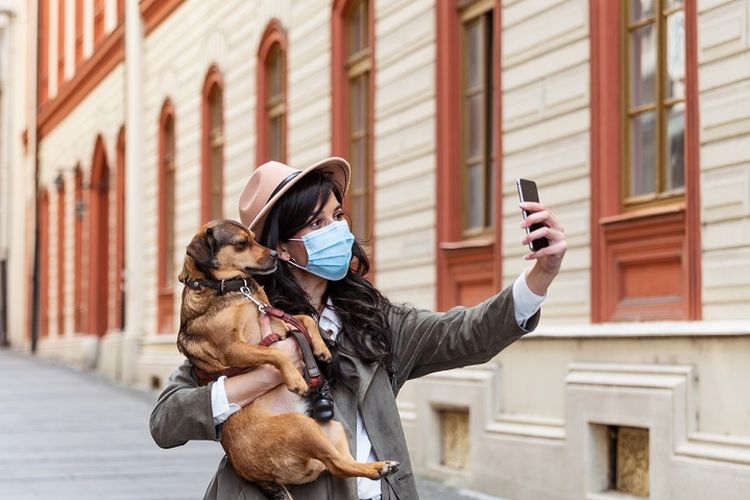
(135, 326)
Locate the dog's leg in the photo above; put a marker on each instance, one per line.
(250, 355)
(319, 348)
(331, 448)
(274, 491)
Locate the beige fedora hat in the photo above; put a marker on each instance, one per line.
(270, 181)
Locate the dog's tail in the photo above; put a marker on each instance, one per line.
(274, 491)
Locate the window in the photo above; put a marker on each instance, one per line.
(213, 146)
(468, 158)
(44, 266)
(655, 110)
(271, 120)
(166, 237)
(61, 219)
(353, 108)
(358, 69)
(477, 144)
(119, 281)
(79, 32)
(98, 21)
(43, 51)
(60, 42)
(645, 220)
(78, 210)
(99, 283)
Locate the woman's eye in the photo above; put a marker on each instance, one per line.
(315, 223)
(339, 216)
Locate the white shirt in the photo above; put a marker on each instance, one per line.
(525, 302)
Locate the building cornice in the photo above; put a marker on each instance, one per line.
(88, 75)
(92, 71)
(154, 12)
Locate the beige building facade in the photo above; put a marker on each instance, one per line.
(632, 116)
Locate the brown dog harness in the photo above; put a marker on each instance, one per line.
(323, 404)
(300, 334)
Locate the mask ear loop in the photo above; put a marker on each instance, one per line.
(293, 263)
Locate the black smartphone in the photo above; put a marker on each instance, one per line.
(527, 192)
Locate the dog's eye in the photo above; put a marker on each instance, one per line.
(240, 245)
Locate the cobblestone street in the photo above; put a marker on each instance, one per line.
(68, 435)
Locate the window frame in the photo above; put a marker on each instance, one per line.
(99, 15)
(664, 232)
(212, 193)
(44, 262)
(343, 65)
(61, 219)
(466, 268)
(78, 41)
(660, 107)
(118, 284)
(99, 284)
(477, 12)
(274, 37)
(78, 215)
(358, 65)
(60, 42)
(44, 51)
(167, 213)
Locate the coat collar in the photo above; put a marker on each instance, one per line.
(331, 322)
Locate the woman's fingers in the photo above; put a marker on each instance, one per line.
(555, 250)
(289, 347)
(540, 216)
(550, 257)
(548, 232)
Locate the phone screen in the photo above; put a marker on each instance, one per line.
(527, 192)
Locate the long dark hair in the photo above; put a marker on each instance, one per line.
(363, 310)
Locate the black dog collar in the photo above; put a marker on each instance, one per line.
(221, 286)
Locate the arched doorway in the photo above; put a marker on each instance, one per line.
(99, 242)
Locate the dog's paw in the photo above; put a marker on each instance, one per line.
(389, 467)
(297, 385)
(323, 354)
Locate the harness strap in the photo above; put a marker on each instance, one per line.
(288, 318)
(311, 371)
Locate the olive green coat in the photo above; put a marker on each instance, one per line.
(423, 342)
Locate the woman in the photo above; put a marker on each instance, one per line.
(378, 345)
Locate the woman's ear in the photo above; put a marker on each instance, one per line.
(283, 252)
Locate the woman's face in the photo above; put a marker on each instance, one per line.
(330, 213)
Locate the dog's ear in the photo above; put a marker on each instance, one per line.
(203, 250)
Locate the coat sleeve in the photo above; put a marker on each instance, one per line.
(425, 341)
(183, 411)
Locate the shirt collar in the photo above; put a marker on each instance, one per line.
(329, 320)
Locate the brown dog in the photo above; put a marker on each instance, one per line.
(270, 440)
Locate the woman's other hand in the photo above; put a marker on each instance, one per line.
(290, 347)
(548, 259)
(246, 388)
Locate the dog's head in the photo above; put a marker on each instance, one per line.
(223, 248)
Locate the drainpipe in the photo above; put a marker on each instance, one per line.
(35, 294)
(6, 38)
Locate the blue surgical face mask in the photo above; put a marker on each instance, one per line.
(329, 251)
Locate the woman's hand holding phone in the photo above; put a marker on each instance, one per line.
(548, 258)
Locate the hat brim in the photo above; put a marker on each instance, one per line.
(337, 167)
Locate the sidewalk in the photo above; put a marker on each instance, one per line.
(68, 435)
